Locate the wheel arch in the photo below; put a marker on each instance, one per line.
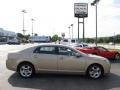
(95, 64)
(23, 62)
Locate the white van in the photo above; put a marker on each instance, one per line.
(68, 41)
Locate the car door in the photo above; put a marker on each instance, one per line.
(45, 58)
(69, 62)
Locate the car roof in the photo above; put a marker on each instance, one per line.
(97, 46)
(52, 44)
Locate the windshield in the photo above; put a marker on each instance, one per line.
(102, 49)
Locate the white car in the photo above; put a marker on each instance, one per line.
(68, 41)
(56, 58)
(79, 45)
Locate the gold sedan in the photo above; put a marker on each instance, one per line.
(56, 58)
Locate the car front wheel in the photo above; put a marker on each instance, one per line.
(95, 71)
(26, 70)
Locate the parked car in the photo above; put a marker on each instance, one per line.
(13, 42)
(56, 58)
(68, 41)
(79, 45)
(101, 51)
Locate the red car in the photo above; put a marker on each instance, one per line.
(100, 51)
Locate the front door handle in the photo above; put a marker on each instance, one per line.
(35, 56)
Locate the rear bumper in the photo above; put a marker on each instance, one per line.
(11, 65)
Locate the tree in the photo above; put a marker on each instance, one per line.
(100, 40)
(23, 38)
(89, 40)
(55, 38)
(27, 37)
(19, 35)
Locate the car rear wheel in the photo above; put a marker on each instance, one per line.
(95, 71)
(26, 70)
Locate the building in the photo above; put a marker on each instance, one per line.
(6, 36)
(40, 39)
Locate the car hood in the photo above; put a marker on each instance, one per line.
(96, 57)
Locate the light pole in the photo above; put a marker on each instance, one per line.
(114, 40)
(83, 27)
(72, 30)
(69, 32)
(23, 11)
(32, 25)
(78, 31)
(94, 3)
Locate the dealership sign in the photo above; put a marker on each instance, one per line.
(81, 10)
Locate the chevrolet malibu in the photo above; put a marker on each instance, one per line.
(56, 58)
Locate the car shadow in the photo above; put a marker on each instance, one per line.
(65, 82)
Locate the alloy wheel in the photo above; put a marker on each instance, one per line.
(95, 71)
(26, 70)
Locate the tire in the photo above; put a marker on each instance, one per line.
(117, 56)
(95, 71)
(26, 70)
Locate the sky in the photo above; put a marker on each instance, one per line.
(55, 16)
